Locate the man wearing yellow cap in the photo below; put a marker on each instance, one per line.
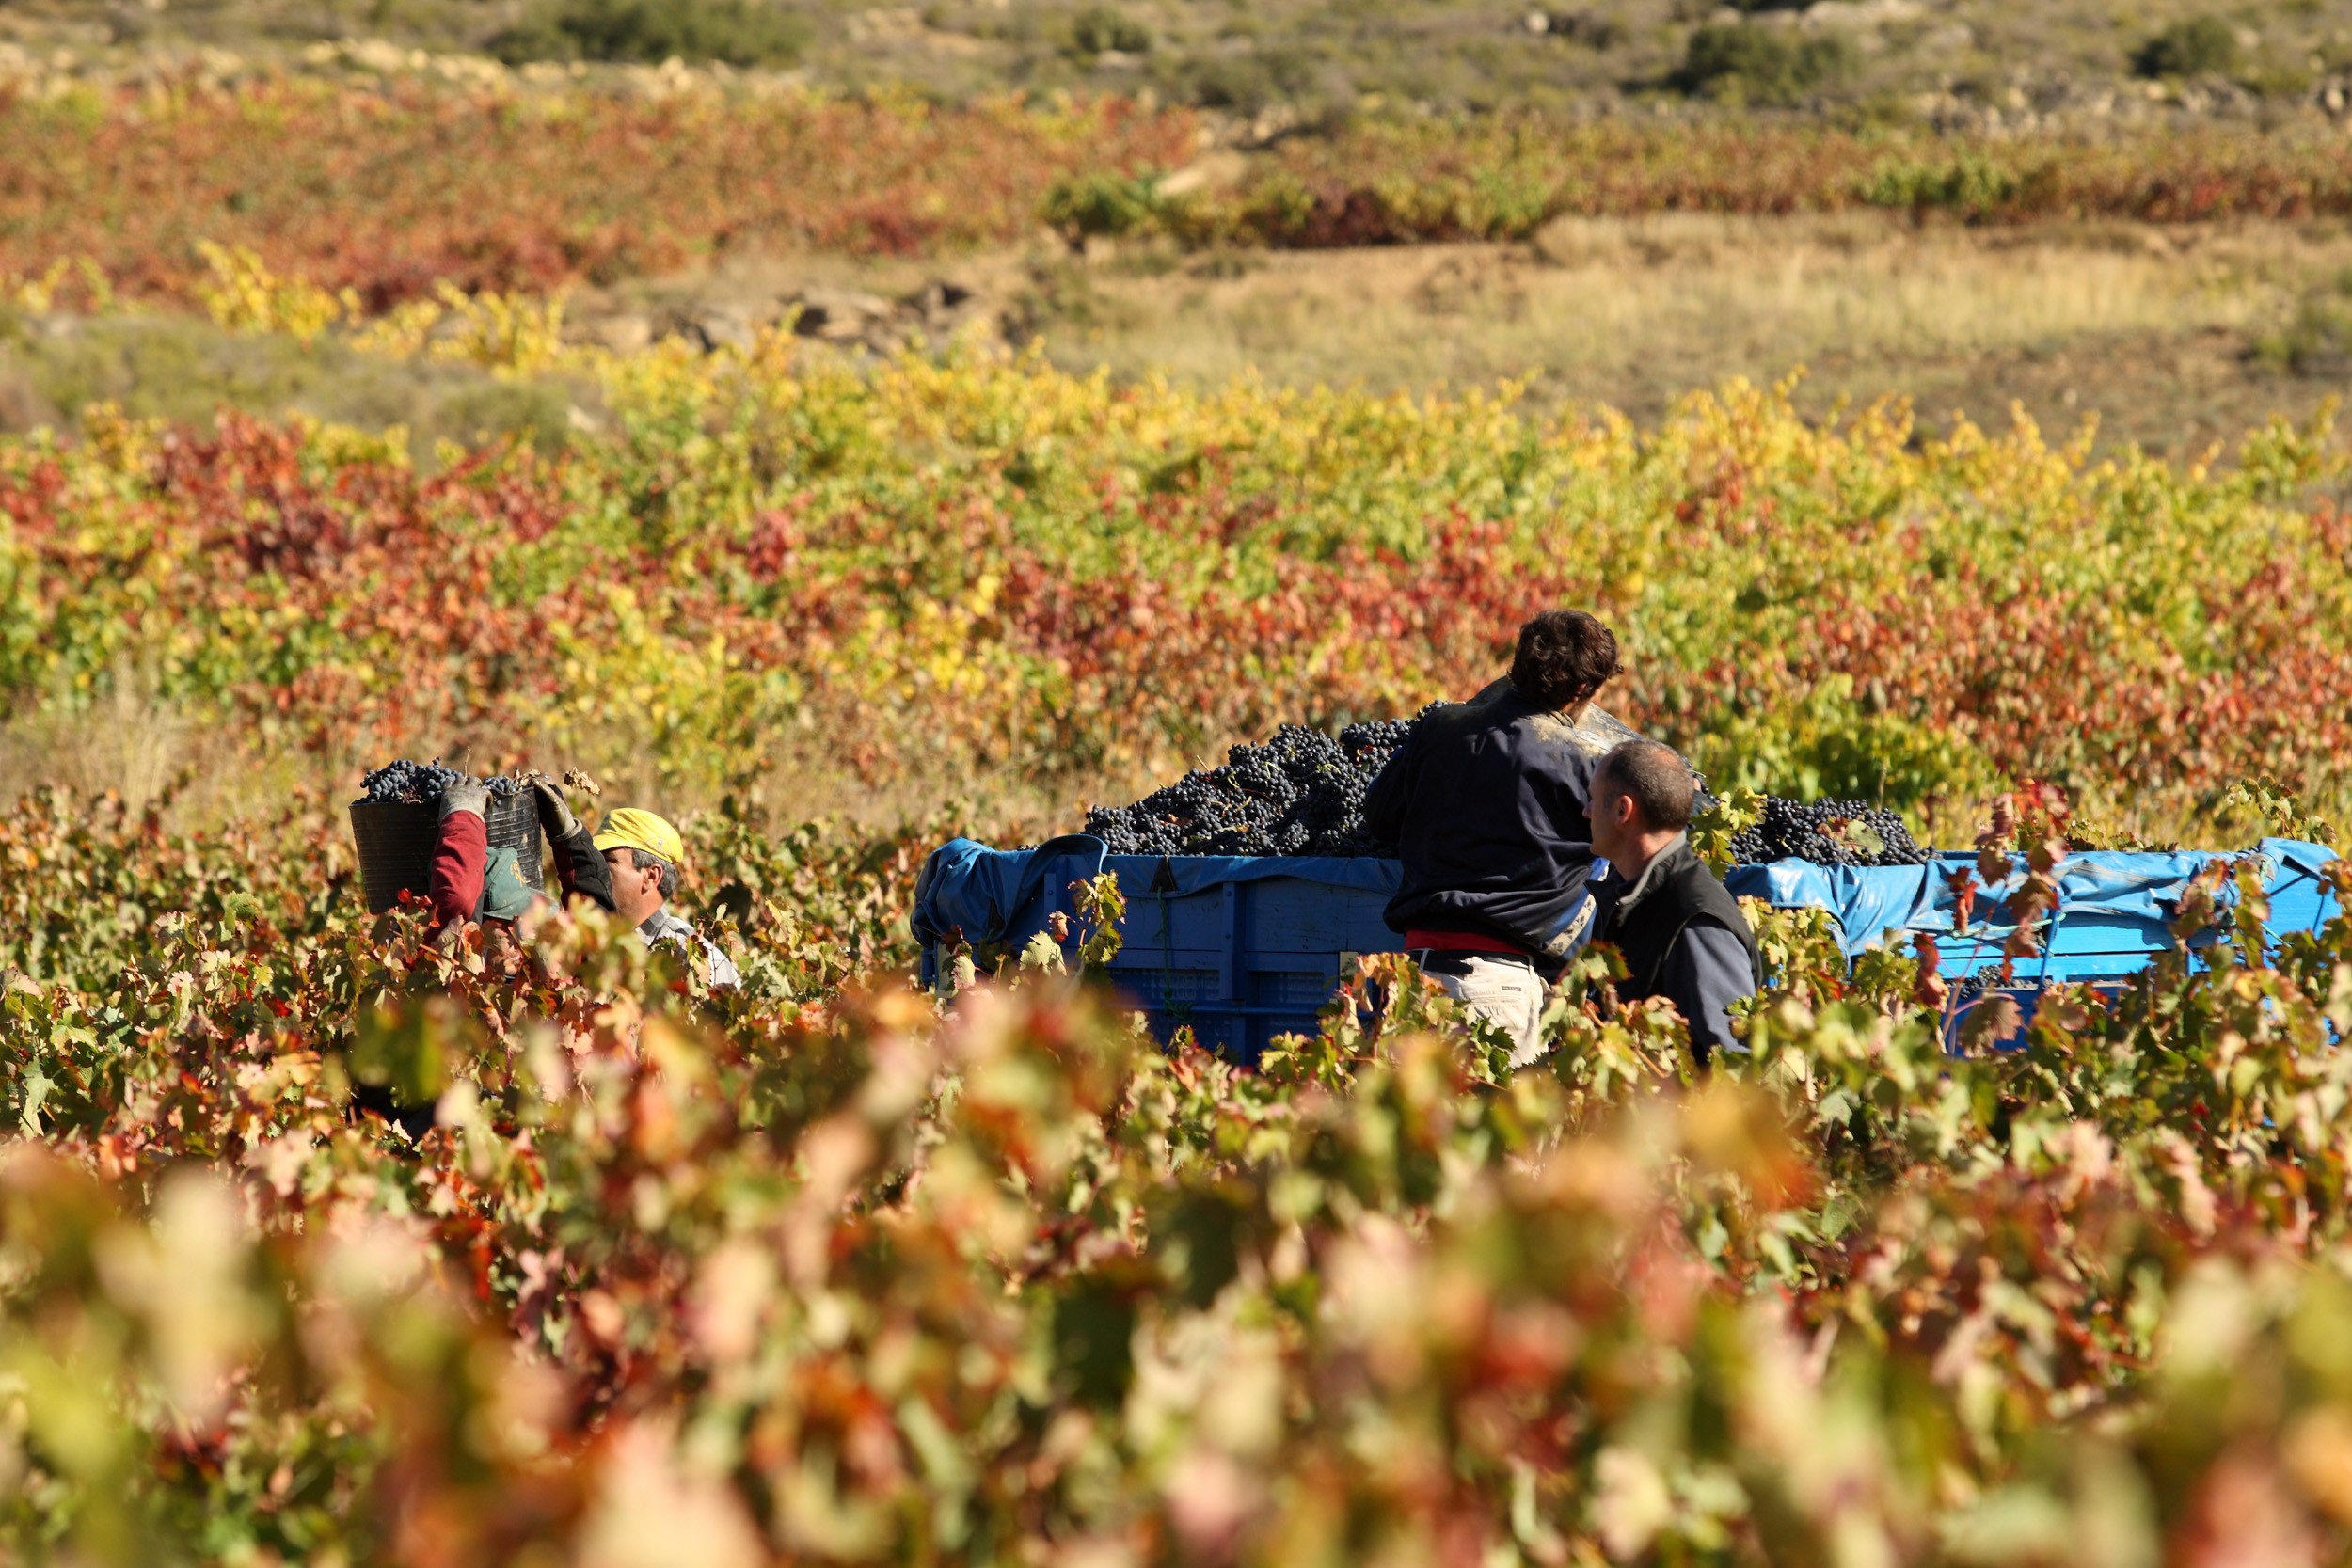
(629, 865)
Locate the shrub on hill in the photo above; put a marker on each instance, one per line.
(1735, 62)
(1100, 30)
(1101, 202)
(736, 32)
(2200, 46)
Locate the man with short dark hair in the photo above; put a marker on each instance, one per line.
(1679, 929)
(1487, 804)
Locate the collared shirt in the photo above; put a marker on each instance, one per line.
(1650, 873)
(1707, 969)
(662, 925)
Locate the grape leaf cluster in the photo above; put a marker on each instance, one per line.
(1301, 793)
(411, 783)
(1828, 832)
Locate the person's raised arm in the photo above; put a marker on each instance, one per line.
(580, 866)
(460, 852)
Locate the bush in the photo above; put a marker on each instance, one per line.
(2286, 82)
(1247, 82)
(2319, 341)
(1100, 30)
(736, 32)
(2201, 46)
(1968, 182)
(1102, 203)
(1372, 547)
(1761, 65)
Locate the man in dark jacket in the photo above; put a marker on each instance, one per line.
(1679, 929)
(1487, 804)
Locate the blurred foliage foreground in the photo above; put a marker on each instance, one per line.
(830, 1271)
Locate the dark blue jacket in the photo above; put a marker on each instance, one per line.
(1485, 803)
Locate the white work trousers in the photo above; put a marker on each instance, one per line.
(1508, 995)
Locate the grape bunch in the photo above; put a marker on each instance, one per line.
(1828, 832)
(1301, 793)
(412, 782)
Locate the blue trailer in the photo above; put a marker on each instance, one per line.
(1244, 949)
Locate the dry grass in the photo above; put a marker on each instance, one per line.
(139, 747)
(1636, 312)
(1620, 291)
(142, 748)
(1628, 312)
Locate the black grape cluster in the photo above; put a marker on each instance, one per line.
(1301, 793)
(422, 782)
(1828, 832)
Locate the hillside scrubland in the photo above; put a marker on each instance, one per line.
(1285, 62)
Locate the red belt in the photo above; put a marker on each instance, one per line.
(1460, 941)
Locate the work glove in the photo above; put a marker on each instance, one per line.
(555, 812)
(466, 795)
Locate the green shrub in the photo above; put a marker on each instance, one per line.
(1101, 30)
(2201, 46)
(1102, 203)
(2319, 341)
(2287, 82)
(1969, 183)
(736, 32)
(1248, 83)
(1739, 63)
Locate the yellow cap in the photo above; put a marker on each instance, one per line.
(640, 830)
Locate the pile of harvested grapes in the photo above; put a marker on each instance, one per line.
(417, 782)
(1828, 832)
(1302, 793)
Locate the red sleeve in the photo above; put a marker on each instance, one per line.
(458, 859)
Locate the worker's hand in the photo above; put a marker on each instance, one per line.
(467, 794)
(555, 812)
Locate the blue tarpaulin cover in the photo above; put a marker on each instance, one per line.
(996, 895)
(989, 894)
(1192, 873)
(1867, 900)
(993, 895)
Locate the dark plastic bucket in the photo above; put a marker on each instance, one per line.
(396, 841)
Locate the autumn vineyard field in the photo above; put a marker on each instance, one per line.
(827, 1269)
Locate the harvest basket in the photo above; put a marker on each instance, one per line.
(396, 839)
